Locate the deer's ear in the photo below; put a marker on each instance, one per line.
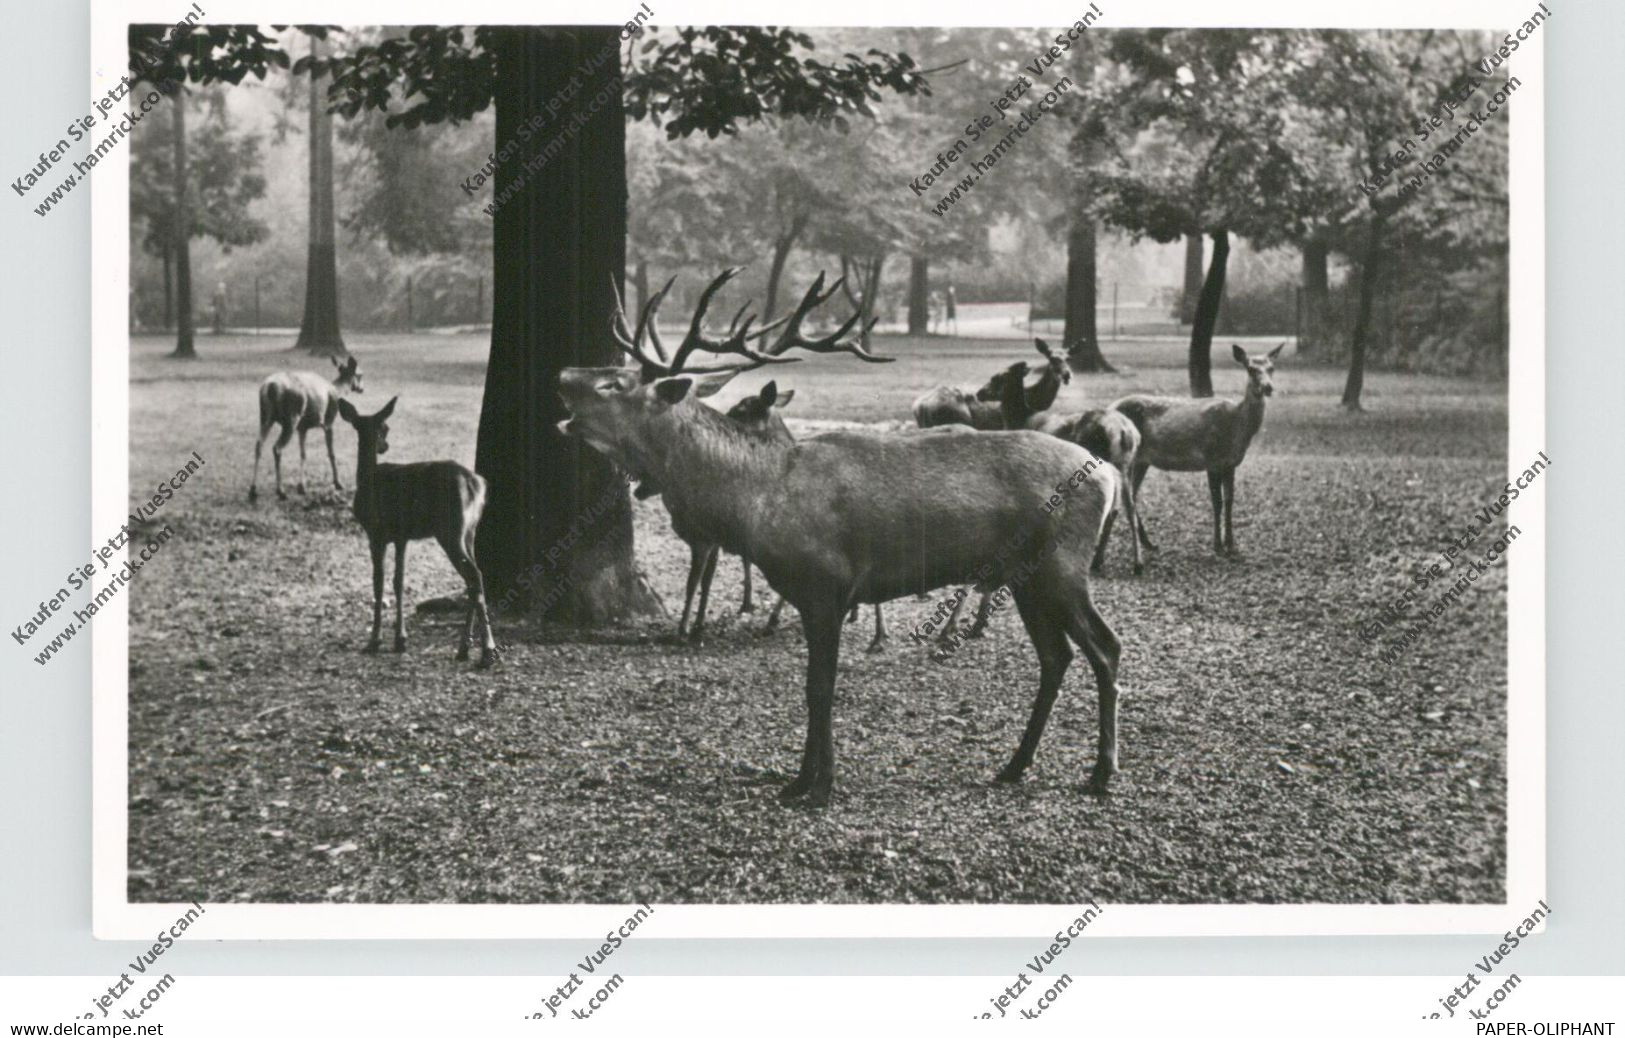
(1043, 347)
(1276, 352)
(389, 408)
(335, 361)
(1238, 353)
(348, 411)
(784, 398)
(712, 385)
(769, 393)
(672, 390)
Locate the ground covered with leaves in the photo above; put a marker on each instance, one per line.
(1268, 754)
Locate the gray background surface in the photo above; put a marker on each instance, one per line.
(44, 527)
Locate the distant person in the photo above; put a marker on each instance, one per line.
(219, 307)
(951, 311)
(934, 310)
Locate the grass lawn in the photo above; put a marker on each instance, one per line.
(1268, 755)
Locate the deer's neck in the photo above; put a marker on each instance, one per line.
(1250, 418)
(366, 482)
(714, 475)
(1043, 395)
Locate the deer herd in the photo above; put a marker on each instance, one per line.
(833, 520)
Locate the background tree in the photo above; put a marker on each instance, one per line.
(168, 57)
(1191, 122)
(319, 329)
(560, 236)
(223, 179)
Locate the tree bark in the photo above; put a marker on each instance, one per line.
(1079, 333)
(1193, 279)
(559, 253)
(319, 330)
(182, 233)
(1362, 316)
(1316, 295)
(782, 244)
(1207, 316)
(919, 295)
(169, 288)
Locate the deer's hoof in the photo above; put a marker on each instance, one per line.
(876, 646)
(488, 657)
(977, 630)
(372, 647)
(747, 608)
(1097, 569)
(696, 637)
(462, 653)
(253, 495)
(281, 495)
(400, 644)
(1011, 774)
(1139, 568)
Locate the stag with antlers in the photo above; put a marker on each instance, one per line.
(848, 517)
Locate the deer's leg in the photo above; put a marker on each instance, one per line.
(1140, 469)
(746, 606)
(852, 615)
(276, 455)
(488, 644)
(259, 446)
(879, 643)
(1048, 633)
(950, 626)
(1100, 645)
(696, 567)
(821, 621)
(461, 555)
(773, 615)
(377, 546)
(302, 432)
(327, 434)
(1229, 503)
(400, 584)
(1131, 515)
(983, 612)
(1215, 492)
(710, 571)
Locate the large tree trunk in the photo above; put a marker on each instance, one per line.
(1193, 279)
(1316, 295)
(182, 233)
(1207, 316)
(1362, 316)
(919, 295)
(169, 287)
(559, 252)
(319, 330)
(782, 244)
(1079, 333)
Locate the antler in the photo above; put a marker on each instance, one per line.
(815, 297)
(659, 366)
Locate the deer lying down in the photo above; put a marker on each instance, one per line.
(1102, 432)
(979, 408)
(301, 400)
(400, 503)
(1183, 435)
(851, 517)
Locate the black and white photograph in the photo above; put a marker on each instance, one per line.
(899, 471)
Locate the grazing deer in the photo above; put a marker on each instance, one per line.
(851, 516)
(1103, 432)
(979, 408)
(301, 400)
(1183, 435)
(411, 502)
